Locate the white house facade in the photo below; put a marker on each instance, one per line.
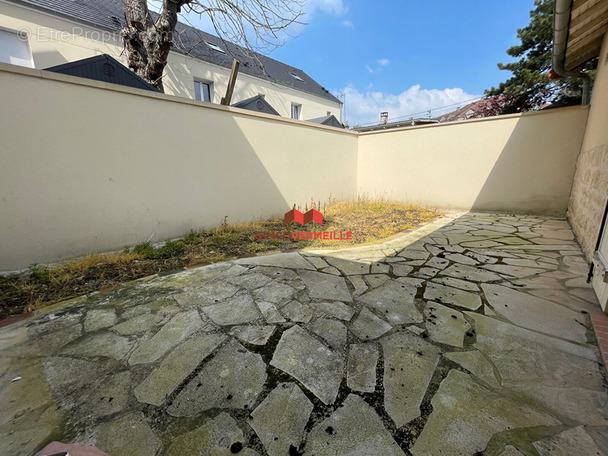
(45, 33)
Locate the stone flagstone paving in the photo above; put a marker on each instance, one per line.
(468, 336)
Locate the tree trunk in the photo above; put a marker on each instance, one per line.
(148, 42)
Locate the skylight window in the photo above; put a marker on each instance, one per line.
(215, 47)
(296, 77)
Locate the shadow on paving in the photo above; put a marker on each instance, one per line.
(469, 335)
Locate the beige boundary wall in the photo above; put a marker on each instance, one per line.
(522, 163)
(590, 189)
(87, 166)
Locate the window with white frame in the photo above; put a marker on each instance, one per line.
(203, 91)
(15, 49)
(296, 111)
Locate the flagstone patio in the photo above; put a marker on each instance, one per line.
(471, 334)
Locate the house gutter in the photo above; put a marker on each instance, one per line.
(561, 24)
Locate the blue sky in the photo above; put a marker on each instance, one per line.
(403, 56)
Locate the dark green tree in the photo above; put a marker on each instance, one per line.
(530, 88)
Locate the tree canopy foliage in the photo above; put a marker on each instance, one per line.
(530, 88)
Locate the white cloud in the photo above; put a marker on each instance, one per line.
(369, 69)
(383, 62)
(365, 107)
(327, 6)
(348, 24)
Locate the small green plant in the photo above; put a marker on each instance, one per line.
(41, 274)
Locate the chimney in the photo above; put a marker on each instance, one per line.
(383, 118)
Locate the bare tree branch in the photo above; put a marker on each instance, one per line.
(257, 25)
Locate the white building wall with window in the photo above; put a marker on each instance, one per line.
(54, 40)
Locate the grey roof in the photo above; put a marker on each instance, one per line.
(110, 14)
(103, 68)
(257, 103)
(329, 120)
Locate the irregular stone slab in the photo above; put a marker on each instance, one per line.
(270, 312)
(108, 396)
(477, 364)
(413, 254)
(31, 393)
(298, 312)
(334, 309)
(361, 367)
(462, 271)
(332, 331)
(375, 280)
(368, 326)
(250, 281)
(333, 271)
(233, 311)
(193, 277)
(462, 259)
(415, 329)
(402, 270)
(528, 263)
(426, 273)
(525, 357)
(437, 263)
(395, 301)
(232, 379)
(409, 365)
(179, 328)
(587, 294)
(567, 443)
(359, 284)
(28, 432)
(209, 293)
(562, 297)
(535, 313)
(54, 334)
(281, 274)
(129, 435)
(353, 429)
(99, 318)
(292, 260)
(139, 324)
(317, 261)
(582, 405)
(277, 293)
(66, 376)
(380, 268)
(479, 244)
(456, 283)
(465, 416)
(348, 267)
(513, 271)
(325, 286)
(448, 295)
(215, 437)
(160, 307)
(445, 325)
(180, 363)
(511, 451)
(280, 419)
(306, 359)
(256, 335)
(101, 344)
